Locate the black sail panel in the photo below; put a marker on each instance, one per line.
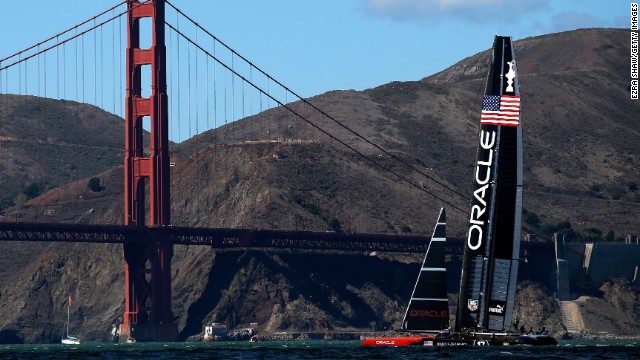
(507, 221)
(488, 271)
(428, 308)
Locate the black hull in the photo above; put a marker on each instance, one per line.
(540, 340)
(446, 340)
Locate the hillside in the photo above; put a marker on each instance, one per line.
(580, 130)
(579, 124)
(47, 143)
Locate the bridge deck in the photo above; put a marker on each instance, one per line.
(222, 238)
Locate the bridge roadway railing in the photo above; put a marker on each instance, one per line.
(222, 238)
(214, 237)
(25, 231)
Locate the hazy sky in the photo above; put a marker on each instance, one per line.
(311, 46)
(314, 46)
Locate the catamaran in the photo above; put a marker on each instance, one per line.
(491, 256)
(69, 339)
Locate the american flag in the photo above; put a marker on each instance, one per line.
(500, 110)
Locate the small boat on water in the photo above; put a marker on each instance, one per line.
(66, 338)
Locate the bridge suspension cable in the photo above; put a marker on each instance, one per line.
(44, 91)
(73, 47)
(62, 42)
(286, 105)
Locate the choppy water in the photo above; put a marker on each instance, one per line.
(295, 350)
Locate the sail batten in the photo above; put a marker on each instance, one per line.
(428, 309)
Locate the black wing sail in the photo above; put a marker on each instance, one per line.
(428, 308)
(490, 264)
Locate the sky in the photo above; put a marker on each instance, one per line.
(315, 46)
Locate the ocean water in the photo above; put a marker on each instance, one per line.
(295, 350)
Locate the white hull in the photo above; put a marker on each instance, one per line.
(70, 341)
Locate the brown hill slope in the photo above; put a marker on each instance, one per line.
(579, 123)
(47, 143)
(579, 131)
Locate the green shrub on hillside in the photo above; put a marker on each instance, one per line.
(615, 191)
(94, 184)
(334, 225)
(530, 218)
(33, 190)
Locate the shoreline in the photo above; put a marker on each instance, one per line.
(360, 335)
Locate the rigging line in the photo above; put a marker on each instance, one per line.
(38, 74)
(19, 79)
(69, 39)
(46, 108)
(95, 66)
(242, 97)
(121, 103)
(215, 91)
(189, 85)
(215, 102)
(113, 64)
(269, 107)
(233, 91)
(170, 81)
(82, 64)
(179, 89)
(64, 71)
(475, 102)
(26, 78)
(44, 70)
(321, 111)
(196, 85)
(102, 67)
(62, 33)
(260, 114)
(57, 72)
(225, 97)
(77, 77)
(287, 107)
(250, 99)
(207, 92)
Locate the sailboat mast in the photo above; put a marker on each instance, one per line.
(490, 263)
(68, 313)
(487, 268)
(487, 264)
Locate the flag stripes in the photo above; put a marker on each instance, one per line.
(500, 110)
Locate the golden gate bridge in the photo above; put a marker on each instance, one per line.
(220, 85)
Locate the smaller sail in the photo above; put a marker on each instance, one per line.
(428, 308)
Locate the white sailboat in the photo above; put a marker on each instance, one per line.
(69, 339)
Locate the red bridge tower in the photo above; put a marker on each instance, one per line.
(147, 314)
